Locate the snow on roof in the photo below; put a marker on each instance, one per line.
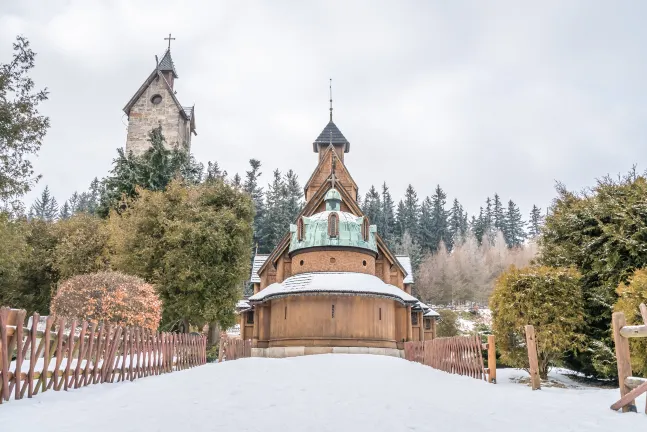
(259, 260)
(431, 313)
(333, 282)
(405, 262)
(428, 312)
(242, 304)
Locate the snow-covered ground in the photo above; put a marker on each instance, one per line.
(334, 392)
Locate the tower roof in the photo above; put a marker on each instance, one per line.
(167, 65)
(331, 135)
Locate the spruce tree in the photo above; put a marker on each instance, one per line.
(386, 223)
(439, 220)
(237, 182)
(65, 212)
(426, 229)
(400, 221)
(214, 172)
(457, 225)
(276, 219)
(256, 192)
(535, 223)
(479, 226)
(514, 233)
(294, 195)
(498, 214)
(411, 216)
(45, 207)
(372, 205)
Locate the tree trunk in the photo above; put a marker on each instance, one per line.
(185, 325)
(213, 338)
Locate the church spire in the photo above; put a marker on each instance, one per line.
(330, 86)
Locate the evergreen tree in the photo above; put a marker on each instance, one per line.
(386, 222)
(439, 220)
(214, 172)
(294, 196)
(276, 220)
(400, 221)
(74, 202)
(45, 207)
(65, 212)
(426, 229)
(372, 205)
(513, 232)
(252, 187)
(498, 214)
(479, 226)
(457, 225)
(411, 215)
(90, 201)
(535, 223)
(237, 181)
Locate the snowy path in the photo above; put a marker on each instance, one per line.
(318, 393)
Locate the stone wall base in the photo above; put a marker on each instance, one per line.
(282, 352)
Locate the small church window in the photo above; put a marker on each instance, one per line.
(250, 317)
(286, 313)
(300, 229)
(380, 314)
(333, 225)
(333, 311)
(414, 318)
(427, 323)
(156, 99)
(365, 229)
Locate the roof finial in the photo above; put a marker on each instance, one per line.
(169, 39)
(330, 85)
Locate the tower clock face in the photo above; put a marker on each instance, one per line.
(156, 99)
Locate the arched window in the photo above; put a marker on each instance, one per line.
(333, 225)
(300, 229)
(365, 228)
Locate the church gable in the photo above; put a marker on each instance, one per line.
(328, 162)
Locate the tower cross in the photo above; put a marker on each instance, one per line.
(169, 39)
(330, 84)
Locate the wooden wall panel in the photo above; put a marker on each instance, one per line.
(300, 320)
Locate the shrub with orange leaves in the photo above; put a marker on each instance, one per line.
(108, 296)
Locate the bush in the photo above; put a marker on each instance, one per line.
(108, 296)
(630, 296)
(212, 353)
(448, 324)
(548, 298)
(82, 245)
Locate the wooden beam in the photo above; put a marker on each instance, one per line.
(618, 322)
(531, 344)
(491, 359)
(634, 331)
(628, 399)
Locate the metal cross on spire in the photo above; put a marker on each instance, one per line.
(169, 39)
(330, 99)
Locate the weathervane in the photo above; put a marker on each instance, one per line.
(169, 39)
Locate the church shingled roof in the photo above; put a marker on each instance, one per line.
(166, 64)
(331, 134)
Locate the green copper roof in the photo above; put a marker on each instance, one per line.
(315, 228)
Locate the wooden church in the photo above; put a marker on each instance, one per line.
(332, 284)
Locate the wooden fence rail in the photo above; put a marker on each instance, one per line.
(460, 355)
(234, 348)
(60, 357)
(630, 387)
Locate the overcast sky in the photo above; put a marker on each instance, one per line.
(479, 97)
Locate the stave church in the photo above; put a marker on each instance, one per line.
(332, 285)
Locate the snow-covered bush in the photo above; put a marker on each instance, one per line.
(108, 296)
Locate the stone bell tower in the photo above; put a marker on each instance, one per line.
(155, 104)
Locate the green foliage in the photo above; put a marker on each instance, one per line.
(212, 353)
(192, 242)
(630, 296)
(448, 324)
(153, 170)
(82, 242)
(12, 254)
(22, 128)
(602, 233)
(548, 298)
(45, 207)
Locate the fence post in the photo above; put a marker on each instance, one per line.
(531, 343)
(618, 321)
(491, 359)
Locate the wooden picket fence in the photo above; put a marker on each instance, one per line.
(234, 348)
(59, 357)
(460, 355)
